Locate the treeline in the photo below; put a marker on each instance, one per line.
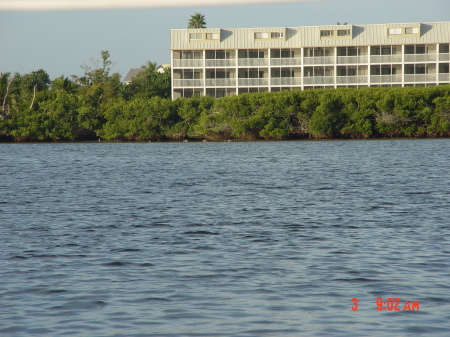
(98, 105)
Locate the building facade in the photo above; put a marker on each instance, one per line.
(224, 62)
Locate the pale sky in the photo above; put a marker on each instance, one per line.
(59, 37)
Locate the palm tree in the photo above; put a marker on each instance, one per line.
(197, 21)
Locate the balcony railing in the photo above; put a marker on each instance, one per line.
(351, 79)
(294, 61)
(352, 59)
(188, 83)
(444, 57)
(420, 57)
(220, 82)
(386, 78)
(319, 80)
(253, 82)
(286, 81)
(444, 77)
(420, 78)
(253, 62)
(386, 58)
(319, 60)
(221, 63)
(187, 63)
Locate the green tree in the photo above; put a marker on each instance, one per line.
(153, 81)
(197, 21)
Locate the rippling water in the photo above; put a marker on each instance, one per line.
(225, 239)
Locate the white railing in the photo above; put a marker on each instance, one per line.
(385, 58)
(444, 57)
(386, 78)
(420, 57)
(351, 79)
(351, 59)
(220, 63)
(220, 82)
(187, 63)
(286, 81)
(253, 82)
(420, 78)
(253, 62)
(294, 61)
(444, 77)
(319, 80)
(319, 60)
(187, 83)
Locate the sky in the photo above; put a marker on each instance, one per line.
(37, 34)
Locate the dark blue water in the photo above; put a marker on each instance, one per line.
(225, 239)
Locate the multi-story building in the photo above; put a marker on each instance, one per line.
(222, 62)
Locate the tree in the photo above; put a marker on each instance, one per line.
(197, 21)
(153, 81)
(36, 81)
(64, 84)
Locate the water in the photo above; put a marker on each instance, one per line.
(225, 239)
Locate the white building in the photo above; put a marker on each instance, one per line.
(222, 62)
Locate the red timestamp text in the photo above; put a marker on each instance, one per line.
(391, 304)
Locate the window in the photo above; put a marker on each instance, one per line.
(253, 74)
(276, 35)
(255, 54)
(385, 70)
(444, 48)
(189, 55)
(284, 73)
(196, 36)
(326, 33)
(318, 52)
(394, 31)
(343, 32)
(219, 74)
(260, 35)
(283, 53)
(412, 30)
(348, 72)
(212, 36)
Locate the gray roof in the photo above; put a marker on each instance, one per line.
(132, 73)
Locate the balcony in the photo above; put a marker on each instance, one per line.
(187, 63)
(319, 80)
(221, 63)
(420, 78)
(420, 57)
(386, 79)
(294, 61)
(386, 58)
(220, 82)
(253, 82)
(351, 79)
(188, 83)
(286, 81)
(319, 60)
(352, 59)
(253, 62)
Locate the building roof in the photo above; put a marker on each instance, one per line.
(132, 73)
(285, 37)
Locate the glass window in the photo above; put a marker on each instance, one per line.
(343, 32)
(261, 35)
(212, 36)
(394, 31)
(412, 30)
(326, 33)
(195, 36)
(276, 35)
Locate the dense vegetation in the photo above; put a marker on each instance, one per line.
(98, 105)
